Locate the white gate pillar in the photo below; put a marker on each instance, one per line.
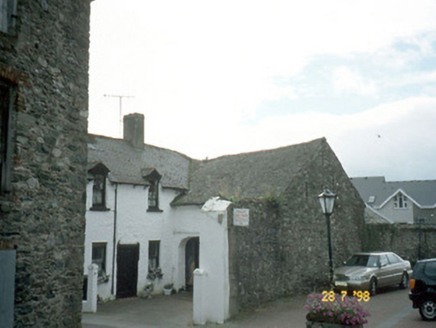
(90, 305)
(200, 299)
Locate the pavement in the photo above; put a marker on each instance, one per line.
(391, 308)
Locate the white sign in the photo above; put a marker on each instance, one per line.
(241, 217)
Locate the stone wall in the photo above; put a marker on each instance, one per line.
(45, 58)
(284, 249)
(401, 239)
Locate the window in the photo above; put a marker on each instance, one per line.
(99, 257)
(400, 201)
(430, 269)
(393, 258)
(383, 260)
(99, 175)
(153, 195)
(7, 96)
(8, 12)
(152, 176)
(153, 254)
(99, 191)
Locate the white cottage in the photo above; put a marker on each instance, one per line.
(134, 233)
(153, 215)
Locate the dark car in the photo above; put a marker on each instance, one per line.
(371, 270)
(423, 288)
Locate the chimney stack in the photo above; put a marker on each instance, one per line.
(134, 129)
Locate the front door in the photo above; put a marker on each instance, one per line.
(191, 261)
(127, 270)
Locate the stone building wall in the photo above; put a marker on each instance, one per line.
(44, 58)
(284, 249)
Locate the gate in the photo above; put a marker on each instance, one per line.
(127, 270)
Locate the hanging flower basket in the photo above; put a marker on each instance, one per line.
(338, 312)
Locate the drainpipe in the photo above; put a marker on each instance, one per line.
(114, 241)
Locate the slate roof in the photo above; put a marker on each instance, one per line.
(249, 175)
(422, 192)
(128, 164)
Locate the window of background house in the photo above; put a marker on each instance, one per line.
(153, 254)
(6, 103)
(99, 257)
(400, 201)
(8, 11)
(153, 195)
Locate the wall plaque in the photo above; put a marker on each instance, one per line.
(241, 217)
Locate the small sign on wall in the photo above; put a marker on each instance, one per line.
(241, 217)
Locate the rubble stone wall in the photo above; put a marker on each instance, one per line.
(401, 239)
(284, 248)
(45, 57)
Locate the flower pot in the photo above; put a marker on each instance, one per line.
(167, 291)
(310, 324)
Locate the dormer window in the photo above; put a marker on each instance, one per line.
(153, 195)
(99, 176)
(400, 201)
(153, 178)
(99, 191)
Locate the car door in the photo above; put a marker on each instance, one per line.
(384, 271)
(397, 269)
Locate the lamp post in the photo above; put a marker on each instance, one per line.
(327, 201)
(421, 222)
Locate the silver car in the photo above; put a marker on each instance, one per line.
(369, 271)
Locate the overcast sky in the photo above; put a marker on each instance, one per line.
(224, 77)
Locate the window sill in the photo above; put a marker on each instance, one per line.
(154, 209)
(99, 208)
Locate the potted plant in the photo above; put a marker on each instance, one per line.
(334, 312)
(168, 288)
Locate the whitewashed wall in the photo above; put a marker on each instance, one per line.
(211, 227)
(99, 229)
(173, 227)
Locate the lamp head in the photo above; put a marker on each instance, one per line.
(327, 201)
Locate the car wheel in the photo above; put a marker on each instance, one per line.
(427, 310)
(404, 281)
(373, 287)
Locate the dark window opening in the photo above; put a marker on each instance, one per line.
(153, 254)
(6, 104)
(99, 257)
(8, 15)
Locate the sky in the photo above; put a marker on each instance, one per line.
(225, 77)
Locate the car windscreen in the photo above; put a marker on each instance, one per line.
(363, 260)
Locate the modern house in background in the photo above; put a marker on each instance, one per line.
(403, 202)
(154, 215)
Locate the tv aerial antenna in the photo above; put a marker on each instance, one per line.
(120, 98)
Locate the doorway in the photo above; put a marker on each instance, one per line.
(127, 270)
(192, 261)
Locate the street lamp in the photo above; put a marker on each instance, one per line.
(327, 201)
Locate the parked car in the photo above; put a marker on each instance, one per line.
(423, 288)
(371, 270)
